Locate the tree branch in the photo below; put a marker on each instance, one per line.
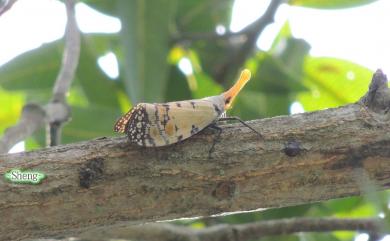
(7, 6)
(252, 33)
(57, 111)
(32, 118)
(254, 28)
(248, 37)
(321, 150)
(70, 59)
(191, 37)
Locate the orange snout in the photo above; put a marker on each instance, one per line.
(233, 91)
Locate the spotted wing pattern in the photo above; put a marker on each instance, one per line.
(121, 123)
(165, 124)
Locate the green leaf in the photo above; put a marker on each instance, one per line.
(250, 105)
(203, 15)
(281, 71)
(106, 7)
(177, 86)
(33, 70)
(330, 4)
(11, 107)
(318, 236)
(90, 91)
(99, 44)
(76, 96)
(292, 237)
(341, 205)
(31, 144)
(284, 33)
(364, 210)
(277, 76)
(145, 37)
(333, 82)
(205, 86)
(97, 86)
(269, 214)
(199, 83)
(89, 122)
(344, 235)
(286, 212)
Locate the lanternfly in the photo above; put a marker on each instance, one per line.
(163, 124)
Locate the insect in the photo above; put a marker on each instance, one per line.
(162, 124)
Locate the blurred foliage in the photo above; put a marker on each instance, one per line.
(330, 4)
(11, 106)
(148, 65)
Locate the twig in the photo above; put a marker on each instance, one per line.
(248, 37)
(294, 225)
(375, 236)
(377, 98)
(57, 111)
(242, 232)
(32, 117)
(191, 37)
(252, 33)
(252, 28)
(70, 58)
(64, 79)
(7, 6)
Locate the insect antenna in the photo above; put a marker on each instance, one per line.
(241, 121)
(219, 129)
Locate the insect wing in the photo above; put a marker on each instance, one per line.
(169, 123)
(120, 125)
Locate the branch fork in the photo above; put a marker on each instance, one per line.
(57, 111)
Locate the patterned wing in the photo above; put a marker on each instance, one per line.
(165, 124)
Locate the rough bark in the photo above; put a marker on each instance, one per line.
(335, 152)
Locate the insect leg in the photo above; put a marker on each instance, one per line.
(216, 138)
(241, 121)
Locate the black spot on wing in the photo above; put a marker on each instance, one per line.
(193, 104)
(165, 120)
(166, 116)
(217, 109)
(178, 104)
(179, 138)
(194, 130)
(166, 107)
(161, 123)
